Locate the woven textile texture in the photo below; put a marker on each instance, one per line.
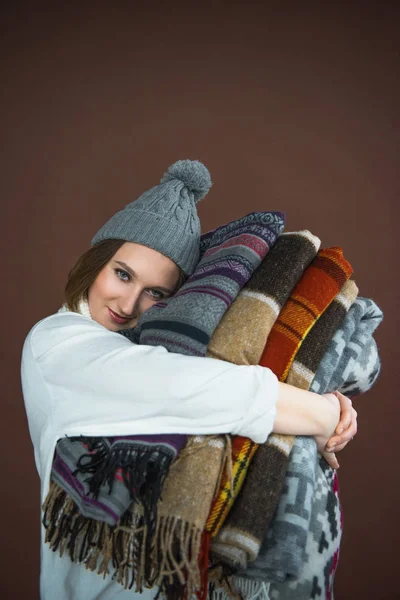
(257, 306)
(282, 553)
(263, 297)
(295, 562)
(240, 538)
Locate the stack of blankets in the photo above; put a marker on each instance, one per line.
(221, 516)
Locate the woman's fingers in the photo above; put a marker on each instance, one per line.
(345, 412)
(339, 447)
(338, 442)
(344, 432)
(331, 459)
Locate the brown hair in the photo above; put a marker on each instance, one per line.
(88, 266)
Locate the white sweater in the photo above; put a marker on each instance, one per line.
(79, 378)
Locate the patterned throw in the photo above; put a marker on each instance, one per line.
(95, 479)
(240, 538)
(321, 282)
(351, 362)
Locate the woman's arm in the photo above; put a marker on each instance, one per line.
(80, 378)
(97, 383)
(299, 412)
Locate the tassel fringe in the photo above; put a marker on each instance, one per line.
(237, 588)
(174, 559)
(94, 543)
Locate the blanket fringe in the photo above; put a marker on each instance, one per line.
(176, 561)
(143, 470)
(95, 543)
(237, 588)
(175, 558)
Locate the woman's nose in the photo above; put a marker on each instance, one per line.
(130, 304)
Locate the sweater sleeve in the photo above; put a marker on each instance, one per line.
(95, 382)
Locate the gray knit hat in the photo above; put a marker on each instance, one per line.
(165, 217)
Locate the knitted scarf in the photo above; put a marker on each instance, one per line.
(96, 480)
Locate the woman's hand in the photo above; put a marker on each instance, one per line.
(329, 418)
(344, 432)
(347, 426)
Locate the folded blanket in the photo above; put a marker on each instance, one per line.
(312, 566)
(351, 363)
(252, 316)
(108, 493)
(240, 337)
(240, 538)
(320, 550)
(299, 553)
(182, 515)
(286, 536)
(284, 543)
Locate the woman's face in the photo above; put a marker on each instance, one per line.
(131, 282)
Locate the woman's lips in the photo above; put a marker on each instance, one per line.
(117, 318)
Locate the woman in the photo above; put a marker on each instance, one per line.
(80, 377)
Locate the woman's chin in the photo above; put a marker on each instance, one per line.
(109, 323)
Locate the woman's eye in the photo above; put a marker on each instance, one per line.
(123, 275)
(156, 295)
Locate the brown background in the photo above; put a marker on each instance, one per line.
(291, 108)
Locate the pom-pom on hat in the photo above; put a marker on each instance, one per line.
(165, 217)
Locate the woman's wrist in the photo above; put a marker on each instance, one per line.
(299, 412)
(322, 416)
(328, 415)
